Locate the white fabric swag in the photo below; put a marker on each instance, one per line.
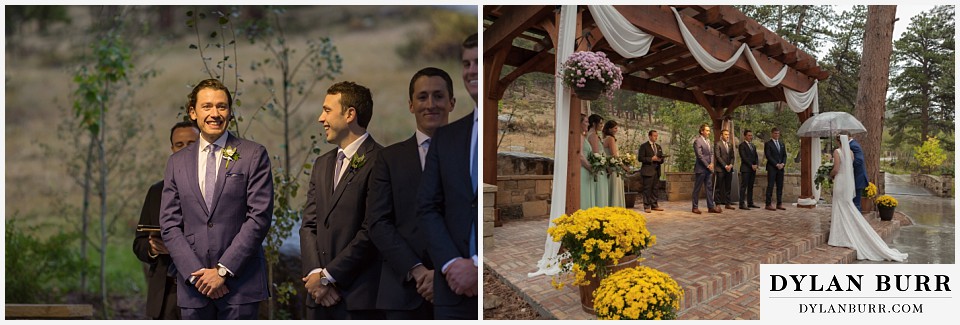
(549, 264)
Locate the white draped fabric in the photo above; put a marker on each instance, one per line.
(625, 38)
(761, 76)
(706, 60)
(799, 102)
(549, 264)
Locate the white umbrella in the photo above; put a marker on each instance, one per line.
(830, 124)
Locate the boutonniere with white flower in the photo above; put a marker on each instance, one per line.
(357, 162)
(229, 154)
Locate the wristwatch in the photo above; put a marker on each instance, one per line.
(221, 271)
(324, 280)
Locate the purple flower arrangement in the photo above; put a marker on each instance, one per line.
(582, 66)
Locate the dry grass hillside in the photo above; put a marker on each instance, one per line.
(39, 85)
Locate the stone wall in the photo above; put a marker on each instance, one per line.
(489, 191)
(680, 188)
(941, 186)
(521, 196)
(519, 163)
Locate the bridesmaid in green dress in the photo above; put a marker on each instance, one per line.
(586, 175)
(610, 130)
(602, 185)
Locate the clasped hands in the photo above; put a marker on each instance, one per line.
(461, 276)
(210, 284)
(156, 246)
(325, 296)
(780, 165)
(424, 279)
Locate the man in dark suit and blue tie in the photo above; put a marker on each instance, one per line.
(749, 161)
(723, 155)
(859, 172)
(217, 208)
(449, 206)
(334, 244)
(776, 155)
(149, 247)
(407, 273)
(703, 170)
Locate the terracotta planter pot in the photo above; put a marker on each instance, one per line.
(630, 199)
(866, 204)
(586, 292)
(590, 91)
(886, 213)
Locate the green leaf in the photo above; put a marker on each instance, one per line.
(193, 46)
(237, 101)
(190, 13)
(223, 20)
(213, 34)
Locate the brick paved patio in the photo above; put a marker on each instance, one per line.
(715, 257)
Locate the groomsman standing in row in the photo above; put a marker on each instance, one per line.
(703, 170)
(449, 206)
(336, 249)
(776, 155)
(749, 161)
(407, 273)
(724, 158)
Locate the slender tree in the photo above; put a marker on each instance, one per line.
(874, 77)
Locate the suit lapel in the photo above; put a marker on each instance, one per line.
(193, 179)
(346, 179)
(222, 173)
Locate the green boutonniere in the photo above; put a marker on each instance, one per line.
(357, 161)
(229, 154)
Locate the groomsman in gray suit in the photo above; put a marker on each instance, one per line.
(703, 170)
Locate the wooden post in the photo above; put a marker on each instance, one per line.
(574, 141)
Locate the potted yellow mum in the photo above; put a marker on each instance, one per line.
(597, 242)
(638, 293)
(886, 205)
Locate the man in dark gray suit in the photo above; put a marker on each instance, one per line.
(217, 208)
(723, 155)
(703, 170)
(749, 161)
(651, 155)
(407, 273)
(334, 242)
(776, 155)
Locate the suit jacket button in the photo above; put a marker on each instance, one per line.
(210, 224)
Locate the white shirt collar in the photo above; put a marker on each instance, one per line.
(421, 137)
(352, 148)
(221, 142)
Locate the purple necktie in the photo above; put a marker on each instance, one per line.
(210, 175)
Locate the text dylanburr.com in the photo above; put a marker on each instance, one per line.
(858, 292)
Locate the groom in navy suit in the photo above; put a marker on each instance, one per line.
(217, 206)
(859, 172)
(448, 206)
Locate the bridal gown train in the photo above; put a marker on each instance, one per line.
(848, 228)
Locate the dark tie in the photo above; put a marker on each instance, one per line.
(424, 148)
(336, 172)
(777, 143)
(210, 175)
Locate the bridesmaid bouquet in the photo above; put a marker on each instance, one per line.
(598, 163)
(615, 164)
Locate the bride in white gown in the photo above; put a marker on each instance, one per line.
(849, 228)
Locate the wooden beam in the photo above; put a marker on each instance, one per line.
(706, 103)
(492, 68)
(50, 311)
(734, 103)
(513, 22)
(680, 64)
(660, 21)
(533, 64)
(653, 58)
(654, 88)
(490, 132)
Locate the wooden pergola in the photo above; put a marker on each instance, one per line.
(668, 70)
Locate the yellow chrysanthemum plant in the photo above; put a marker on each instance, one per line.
(870, 191)
(596, 237)
(638, 293)
(886, 201)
